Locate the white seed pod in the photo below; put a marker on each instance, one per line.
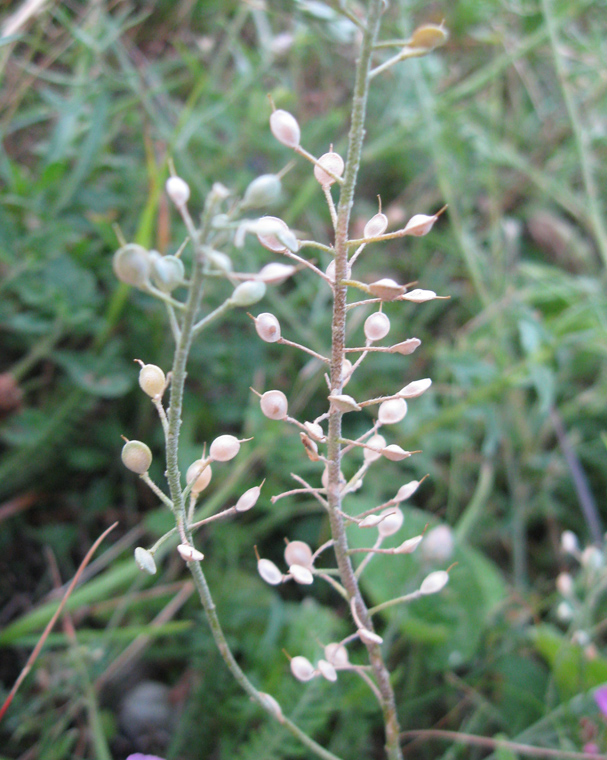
(270, 704)
(344, 403)
(301, 575)
(394, 453)
(392, 411)
(325, 478)
(375, 445)
(386, 289)
(337, 655)
(409, 546)
(248, 292)
(189, 554)
(298, 553)
(136, 457)
(419, 295)
(392, 522)
(224, 448)
(564, 612)
(331, 161)
(274, 405)
(592, 558)
(262, 191)
(369, 637)
(330, 271)
(152, 380)
(406, 347)
(569, 542)
(420, 224)
(178, 191)
(285, 128)
(267, 228)
(268, 327)
(428, 36)
(377, 326)
(145, 560)
(132, 265)
(167, 272)
(327, 670)
(248, 499)
(220, 260)
(439, 545)
(376, 226)
(269, 572)
(406, 491)
(276, 273)
(416, 388)
(315, 431)
(564, 584)
(302, 668)
(434, 582)
(200, 472)
(346, 372)
(370, 521)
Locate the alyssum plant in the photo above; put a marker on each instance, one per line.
(224, 224)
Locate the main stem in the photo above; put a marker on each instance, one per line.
(349, 580)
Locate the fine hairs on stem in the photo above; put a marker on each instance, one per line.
(224, 225)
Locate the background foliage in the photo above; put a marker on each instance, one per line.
(506, 125)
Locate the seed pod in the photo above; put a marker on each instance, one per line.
(131, 264)
(269, 572)
(569, 542)
(136, 457)
(331, 161)
(274, 405)
(419, 295)
(298, 553)
(200, 470)
(344, 403)
(377, 326)
(248, 293)
(434, 582)
(220, 260)
(370, 521)
(248, 499)
(406, 491)
(301, 575)
(302, 668)
(409, 546)
(438, 545)
(376, 226)
(369, 637)
(263, 191)
(564, 584)
(327, 670)
(376, 443)
(145, 560)
(346, 372)
(310, 446)
(406, 347)
(315, 431)
(267, 229)
(276, 273)
(330, 271)
(178, 191)
(428, 36)
(392, 411)
(386, 289)
(416, 388)
(224, 448)
(168, 272)
(285, 128)
(420, 224)
(189, 554)
(394, 453)
(337, 655)
(392, 522)
(152, 380)
(268, 327)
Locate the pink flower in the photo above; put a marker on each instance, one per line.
(600, 697)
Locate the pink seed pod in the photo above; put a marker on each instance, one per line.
(315, 431)
(337, 655)
(298, 553)
(268, 327)
(276, 273)
(406, 347)
(145, 560)
(285, 128)
(376, 443)
(274, 405)
(331, 161)
(564, 584)
(325, 478)
(327, 670)
(301, 575)
(394, 453)
(416, 388)
(248, 499)
(178, 191)
(370, 521)
(439, 545)
(152, 380)
(136, 457)
(199, 472)
(434, 582)
(409, 546)
(406, 491)
(419, 295)
(392, 522)
(189, 554)
(392, 411)
(386, 289)
(420, 224)
(267, 229)
(377, 326)
(224, 448)
(376, 226)
(344, 403)
(269, 572)
(369, 637)
(346, 372)
(330, 271)
(302, 668)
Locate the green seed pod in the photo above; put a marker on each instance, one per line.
(248, 293)
(167, 272)
(136, 457)
(132, 265)
(263, 191)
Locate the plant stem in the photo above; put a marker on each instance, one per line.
(349, 580)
